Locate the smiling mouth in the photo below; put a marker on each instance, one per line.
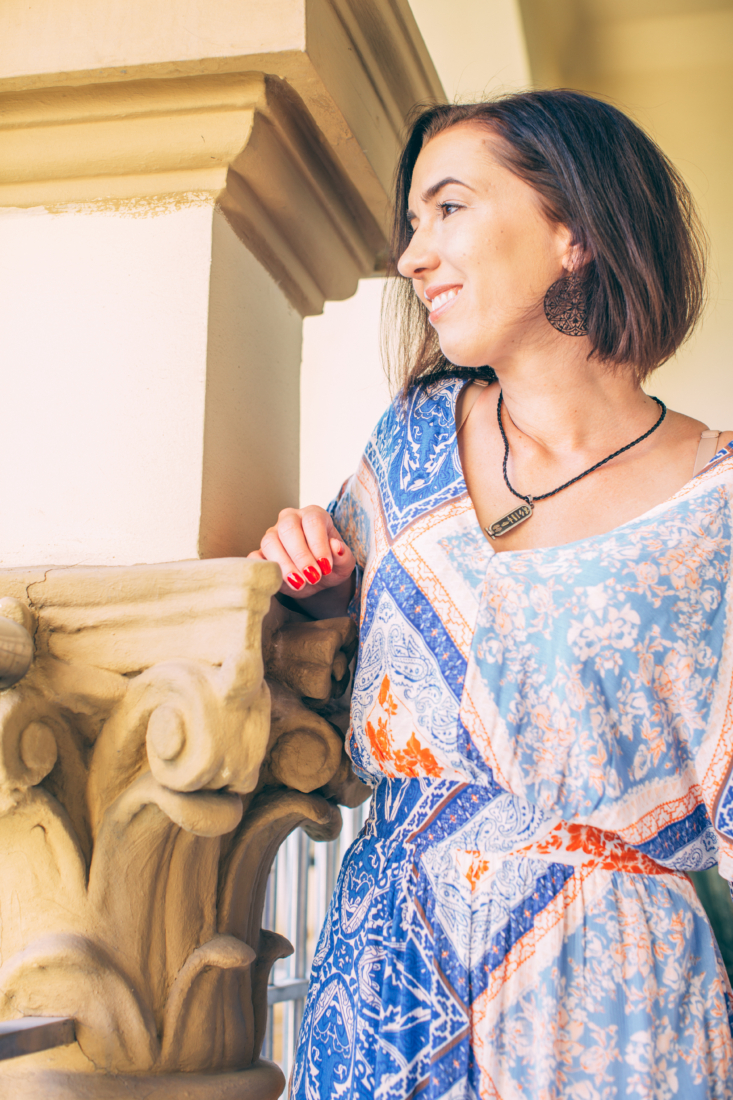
(443, 299)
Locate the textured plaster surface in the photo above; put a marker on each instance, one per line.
(105, 325)
(251, 430)
(121, 33)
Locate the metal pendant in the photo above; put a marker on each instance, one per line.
(510, 521)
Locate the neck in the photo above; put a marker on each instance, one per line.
(564, 402)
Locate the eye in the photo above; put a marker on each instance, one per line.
(449, 208)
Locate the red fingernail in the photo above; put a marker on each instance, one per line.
(325, 566)
(312, 574)
(295, 581)
(340, 552)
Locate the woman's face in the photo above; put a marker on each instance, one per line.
(483, 253)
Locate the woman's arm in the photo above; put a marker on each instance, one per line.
(317, 565)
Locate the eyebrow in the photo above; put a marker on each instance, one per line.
(432, 191)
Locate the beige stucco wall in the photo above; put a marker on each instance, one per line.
(252, 421)
(44, 38)
(152, 369)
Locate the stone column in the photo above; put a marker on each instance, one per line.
(179, 184)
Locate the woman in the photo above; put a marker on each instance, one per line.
(541, 697)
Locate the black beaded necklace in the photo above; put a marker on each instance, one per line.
(519, 515)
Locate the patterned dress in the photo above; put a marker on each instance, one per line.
(549, 734)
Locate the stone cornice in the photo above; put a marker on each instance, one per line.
(245, 141)
(299, 143)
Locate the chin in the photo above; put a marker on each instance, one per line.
(464, 358)
(463, 352)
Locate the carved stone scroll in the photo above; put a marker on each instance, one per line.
(149, 771)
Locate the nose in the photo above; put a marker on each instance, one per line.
(418, 258)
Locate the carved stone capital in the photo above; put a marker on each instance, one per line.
(146, 783)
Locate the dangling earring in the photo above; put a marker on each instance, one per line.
(566, 306)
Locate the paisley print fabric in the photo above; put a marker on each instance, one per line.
(549, 736)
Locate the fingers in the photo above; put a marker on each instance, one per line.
(302, 535)
(272, 549)
(306, 546)
(316, 526)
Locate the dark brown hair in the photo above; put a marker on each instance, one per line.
(625, 204)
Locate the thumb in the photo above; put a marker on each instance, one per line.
(343, 559)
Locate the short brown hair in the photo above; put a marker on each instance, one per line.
(622, 199)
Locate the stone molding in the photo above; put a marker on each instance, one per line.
(299, 145)
(146, 784)
(246, 142)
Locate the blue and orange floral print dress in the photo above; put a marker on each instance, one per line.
(550, 735)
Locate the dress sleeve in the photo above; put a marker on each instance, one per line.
(351, 523)
(353, 510)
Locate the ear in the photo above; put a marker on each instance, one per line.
(570, 252)
(578, 255)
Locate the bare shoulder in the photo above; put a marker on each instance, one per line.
(687, 427)
(684, 426)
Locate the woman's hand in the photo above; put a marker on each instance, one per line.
(309, 550)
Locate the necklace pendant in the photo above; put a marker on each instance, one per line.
(510, 521)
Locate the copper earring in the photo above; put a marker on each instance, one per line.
(566, 306)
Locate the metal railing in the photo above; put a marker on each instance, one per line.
(34, 1033)
(299, 890)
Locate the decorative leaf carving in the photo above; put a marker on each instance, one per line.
(187, 1024)
(69, 975)
(172, 771)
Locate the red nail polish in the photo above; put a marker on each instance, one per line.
(295, 581)
(340, 552)
(325, 566)
(312, 574)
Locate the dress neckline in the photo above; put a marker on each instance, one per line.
(461, 384)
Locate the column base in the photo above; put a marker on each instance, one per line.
(62, 1075)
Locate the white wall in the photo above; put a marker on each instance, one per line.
(103, 320)
(478, 48)
(343, 390)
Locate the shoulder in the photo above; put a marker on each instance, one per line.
(688, 440)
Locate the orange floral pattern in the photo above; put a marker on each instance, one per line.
(413, 760)
(569, 843)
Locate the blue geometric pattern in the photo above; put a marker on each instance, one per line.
(413, 457)
(549, 735)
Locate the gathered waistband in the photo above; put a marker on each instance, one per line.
(489, 825)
